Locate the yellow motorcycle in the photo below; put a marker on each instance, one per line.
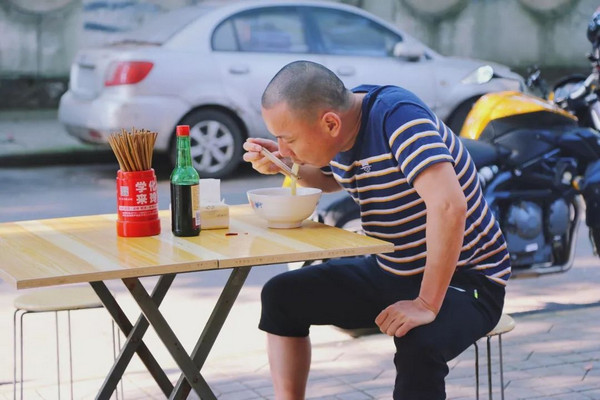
(538, 161)
(535, 164)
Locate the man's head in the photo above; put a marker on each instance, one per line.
(303, 107)
(307, 88)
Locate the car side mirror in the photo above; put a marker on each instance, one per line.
(408, 52)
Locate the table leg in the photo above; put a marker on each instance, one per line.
(134, 341)
(166, 335)
(213, 326)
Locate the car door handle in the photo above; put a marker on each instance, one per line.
(239, 69)
(346, 71)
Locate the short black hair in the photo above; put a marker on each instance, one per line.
(306, 87)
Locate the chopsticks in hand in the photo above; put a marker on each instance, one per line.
(284, 168)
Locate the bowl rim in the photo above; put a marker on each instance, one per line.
(308, 191)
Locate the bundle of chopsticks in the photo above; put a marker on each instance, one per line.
(133, 149)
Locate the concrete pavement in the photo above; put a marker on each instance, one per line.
(553, 353)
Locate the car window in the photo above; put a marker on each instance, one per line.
(344, 33)
(264, 30)
(224, 37)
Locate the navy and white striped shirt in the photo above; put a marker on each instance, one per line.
(398, 139)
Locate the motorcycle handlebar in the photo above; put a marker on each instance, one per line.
(582, 91)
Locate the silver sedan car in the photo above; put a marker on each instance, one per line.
(206, 66)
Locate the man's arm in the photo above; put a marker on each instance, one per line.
(446, 205)
(313, 177)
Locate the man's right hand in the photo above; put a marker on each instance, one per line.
(253, 146)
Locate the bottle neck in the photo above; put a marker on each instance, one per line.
(184, 158)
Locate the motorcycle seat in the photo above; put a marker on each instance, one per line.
(484, 153)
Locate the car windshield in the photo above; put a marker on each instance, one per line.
(159, 29)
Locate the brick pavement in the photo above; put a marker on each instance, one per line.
(549, 355)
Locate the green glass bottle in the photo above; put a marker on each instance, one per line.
(185, 207)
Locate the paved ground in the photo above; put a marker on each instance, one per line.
(553, 353)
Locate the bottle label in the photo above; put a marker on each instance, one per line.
(184, 210)
(196, 204)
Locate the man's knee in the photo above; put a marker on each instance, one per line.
(282, 307)
(278, 290)
(414, 348)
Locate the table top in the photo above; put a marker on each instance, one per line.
(60, 251)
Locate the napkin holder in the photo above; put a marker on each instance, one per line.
(214, 213)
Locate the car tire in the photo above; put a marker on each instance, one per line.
(458, 117)
(216, 143)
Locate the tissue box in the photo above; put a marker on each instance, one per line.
(214, 213)
(214, 216)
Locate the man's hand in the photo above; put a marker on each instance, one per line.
(253, 146)
(402, 316)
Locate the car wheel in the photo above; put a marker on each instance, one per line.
(216, 143)
(458, 117)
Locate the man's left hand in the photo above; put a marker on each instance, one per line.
(400, 317)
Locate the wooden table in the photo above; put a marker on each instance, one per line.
(87, 249)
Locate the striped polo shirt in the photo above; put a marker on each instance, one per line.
(400, 137)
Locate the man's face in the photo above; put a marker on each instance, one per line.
(305, 142)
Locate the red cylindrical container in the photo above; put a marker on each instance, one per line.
(137, 203)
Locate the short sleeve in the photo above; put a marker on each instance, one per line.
(414, 137)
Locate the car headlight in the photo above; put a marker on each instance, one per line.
(481, 75)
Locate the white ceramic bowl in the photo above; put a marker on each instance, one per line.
(280, 208)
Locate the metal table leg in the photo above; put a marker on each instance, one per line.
(190, 366)
(489, 361)
(213, 326)
(166, 335)
(134, 341)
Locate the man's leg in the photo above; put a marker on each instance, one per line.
(422, 355)
(289, 360)
(338, 293)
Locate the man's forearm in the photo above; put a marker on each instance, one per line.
(313, 177)
(445, 233)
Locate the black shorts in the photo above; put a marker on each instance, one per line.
(351, 292)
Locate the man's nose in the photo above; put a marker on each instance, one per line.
(284, 150)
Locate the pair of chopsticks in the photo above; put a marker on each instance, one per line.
(291, 172)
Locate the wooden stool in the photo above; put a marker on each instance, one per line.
(51, 300)
(505, 325)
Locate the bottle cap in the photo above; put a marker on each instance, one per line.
(183, 130)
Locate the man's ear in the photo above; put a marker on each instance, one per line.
(332, 123)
